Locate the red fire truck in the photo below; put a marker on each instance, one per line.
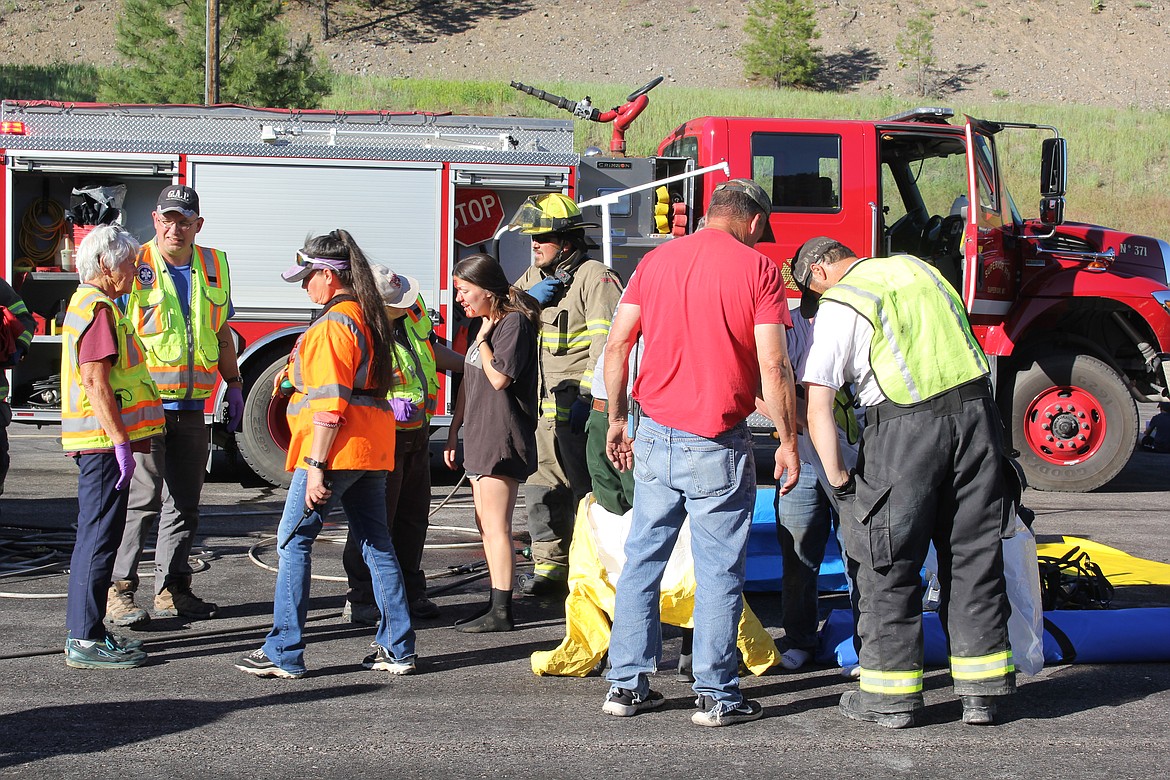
(1075, 317)
(418, 191)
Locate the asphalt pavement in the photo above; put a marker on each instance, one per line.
(476, 709)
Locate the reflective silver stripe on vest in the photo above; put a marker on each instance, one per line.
(915, 396)
(361, 377)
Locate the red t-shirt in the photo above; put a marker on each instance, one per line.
(701, 297)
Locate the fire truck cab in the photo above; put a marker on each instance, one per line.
(1072, 316)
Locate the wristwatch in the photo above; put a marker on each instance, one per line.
(317, 464)
(233, 380)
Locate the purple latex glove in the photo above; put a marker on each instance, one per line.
(235, 407)
(125, 460)
(403, 408)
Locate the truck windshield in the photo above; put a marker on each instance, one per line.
(924, 198)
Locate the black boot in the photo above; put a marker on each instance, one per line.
(497, 618)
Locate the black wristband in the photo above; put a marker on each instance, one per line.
(317, 464)
(233, 380)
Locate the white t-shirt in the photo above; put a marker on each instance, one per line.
(800, 341)
(839, 354)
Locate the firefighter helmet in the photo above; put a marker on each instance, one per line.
(551, 213)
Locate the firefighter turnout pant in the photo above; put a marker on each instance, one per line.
(933, 473)
(551, 495)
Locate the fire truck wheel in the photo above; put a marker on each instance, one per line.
(1073, 421)
(263, 426)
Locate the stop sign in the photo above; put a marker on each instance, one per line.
(478, 213)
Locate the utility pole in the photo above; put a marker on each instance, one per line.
(211, 83)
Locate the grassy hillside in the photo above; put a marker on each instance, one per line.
(1119, 163)
(1118, 158)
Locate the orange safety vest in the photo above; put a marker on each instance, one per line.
(137, 396)
(329, 370)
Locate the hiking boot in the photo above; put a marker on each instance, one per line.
(120, 607)
(104, 654)
(381, 661)
(424, 609)
(536, 585)
(259, 665)
(625, 703)
(176, 600)
(978, 710)
(714, 714)
(852, 708)
(361, 614)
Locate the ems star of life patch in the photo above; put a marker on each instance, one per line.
(146, 275)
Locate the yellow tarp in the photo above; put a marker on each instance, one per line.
(1119, 568)
(595, 561)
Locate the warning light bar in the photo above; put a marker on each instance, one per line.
(11, 128)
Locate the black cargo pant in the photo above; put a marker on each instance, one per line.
(930, 475)
(408, 506)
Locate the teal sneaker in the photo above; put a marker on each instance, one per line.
(106, 654)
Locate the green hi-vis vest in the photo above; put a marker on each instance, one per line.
(138, 399)
(415, 375)
(922, 342)
(183, 360)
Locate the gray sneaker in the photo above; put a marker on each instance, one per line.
(257, 664)
(381, 661)
(714, 714)
(625, 703)
(105, 654)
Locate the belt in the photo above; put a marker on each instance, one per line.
(600, 405)
(947, 403)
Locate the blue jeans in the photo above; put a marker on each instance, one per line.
(804, 519)
(714, 481)
(363, 496)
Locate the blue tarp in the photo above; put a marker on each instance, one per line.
(764, 565)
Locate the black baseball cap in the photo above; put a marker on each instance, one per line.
(810, 253)
(176, 197)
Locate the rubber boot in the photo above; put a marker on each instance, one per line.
(483, 610)
(497, 618)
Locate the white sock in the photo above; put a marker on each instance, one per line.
(794, 658)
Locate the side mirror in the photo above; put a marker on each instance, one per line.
(1053, 167)
(1052, 211)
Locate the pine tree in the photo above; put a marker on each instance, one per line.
(780, 46)
(915, 44)
(162, 42)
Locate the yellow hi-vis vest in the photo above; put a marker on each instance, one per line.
(922, 343)
(415, 375)
(183, 355)
(137, 395)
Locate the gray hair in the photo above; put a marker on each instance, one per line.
(105, 248)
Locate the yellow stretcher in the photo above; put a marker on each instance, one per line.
(595, 561)
(1120, 568)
